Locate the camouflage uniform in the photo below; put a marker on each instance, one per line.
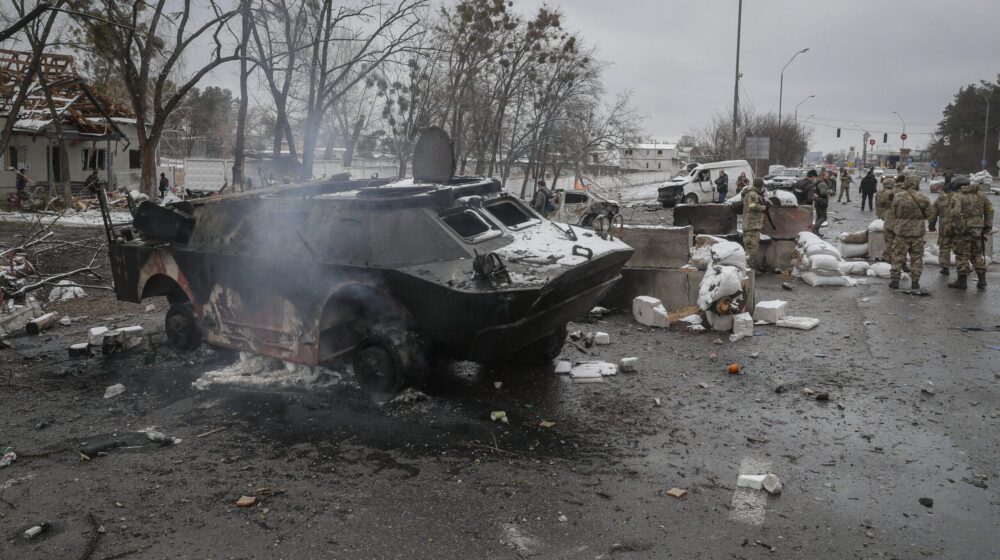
(845, 185)
(909, 209)
(754, 207)
(883, 210)
(940, 212)
(820, 203)
(971, 218)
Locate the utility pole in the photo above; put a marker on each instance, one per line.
(736, 88)
(986, 126)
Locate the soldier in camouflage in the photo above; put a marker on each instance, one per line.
(940, 221)
(910, 210)
(754, 207)
(883, 211)
(971, 221)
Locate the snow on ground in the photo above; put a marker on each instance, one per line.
(70, 218)
(640, 193)
(259, 371)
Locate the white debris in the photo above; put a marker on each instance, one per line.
(743, 325)
(693, 319)
(593, 369)
(696, 328)
(137, 196)
(880, 270)
(770, 311)
(877, 225)
(801, 323)
(650, 311)
(772, 483)
(65, 321)
(928, 387)
(857, 268)
(95, 337)
(114, 390)
(729, 253)
(169, 198)
(65, 290)
(259, 371)
(751, 481)
(628, 365)
(602, 338)
(563, 367)
(600, 311)
(816, 279)
(905, 282)
(785, 198)
(150, 308)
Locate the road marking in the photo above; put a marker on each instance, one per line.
(748, 505)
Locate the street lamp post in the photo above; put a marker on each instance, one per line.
(797, 107)
(736, 88)
(986, 126)
(902, 141)
(781, 91)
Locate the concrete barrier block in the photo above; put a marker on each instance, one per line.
(713, 219)
(658, 246)
(876, 244)
(788, 221)
(770, 311)
(650, 311)
(775, 253)
(675, 288)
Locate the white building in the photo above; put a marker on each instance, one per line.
(649, 157)
(99, 134)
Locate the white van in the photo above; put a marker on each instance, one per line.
(697, 183)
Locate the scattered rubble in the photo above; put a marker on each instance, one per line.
(66, 290)
(8, 457)
(677, 493)
(770, 311)
(650, 312)
(628, 365)
(585, 370)
(801, 323)
(35, 531)
(928, 387)
(246, 501)
(39, 324)
(499, 416)
(114, 390)
(602, 338)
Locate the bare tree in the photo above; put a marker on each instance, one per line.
(147, 45)
(239, 151)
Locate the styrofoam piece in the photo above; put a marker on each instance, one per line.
(563, 367)
(692, 319)
(593, 369)
(95, 337)
(751, 481)
(801, 323)
(770, 311)
(772, 483)
(743, 325)
(650, 311)
(628, 365)
(602, 338)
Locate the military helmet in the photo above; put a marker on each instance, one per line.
(959, 181)
(913, 181)
(758, 182)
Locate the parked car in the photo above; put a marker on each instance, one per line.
(785, 178)
(697, 183)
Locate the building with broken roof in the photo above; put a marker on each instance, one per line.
(100, 134)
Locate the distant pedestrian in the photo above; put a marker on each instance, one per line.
(948, 176)
(164, 185)
(21, 186)
(722, 186)
(845, 185)
(742, 182)
(868, 187)
(542, 203)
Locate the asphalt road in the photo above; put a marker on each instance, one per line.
(432, 476)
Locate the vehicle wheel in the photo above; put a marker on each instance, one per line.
(690, 199)
(543, 350)
(588, 222)
(182, 329)
(667, 204)
(387, 359)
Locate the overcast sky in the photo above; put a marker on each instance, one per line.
(866, 59)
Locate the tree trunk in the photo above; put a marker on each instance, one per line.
(239, 153)
(147, 155)
(331, 138)
(402, 167)
(280, 124)
(310, 138)
(351, 142)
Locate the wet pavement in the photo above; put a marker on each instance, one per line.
(431, 476)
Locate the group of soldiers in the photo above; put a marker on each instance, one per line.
(961, 215)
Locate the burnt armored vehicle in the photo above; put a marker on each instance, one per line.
(386, 274)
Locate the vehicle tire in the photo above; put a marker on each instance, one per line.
(690, 199)
(588, 221)
(182, 329)
(667, 204)
(387, 359)
(543, 350)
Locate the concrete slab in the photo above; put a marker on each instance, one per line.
(658, 246)
(713, 219)
(788, 221)
(876, 244)
(676, 288)
(775, 253)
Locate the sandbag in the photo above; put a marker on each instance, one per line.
(729, 253)
(856, 268)
(853, 237)
(701, 255)
(880, 270)
(825, 263)
(822, 248)
(853, 250)
(877, 225)
(814, 279)
(719, 281)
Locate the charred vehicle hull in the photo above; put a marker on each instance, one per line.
(316, 272)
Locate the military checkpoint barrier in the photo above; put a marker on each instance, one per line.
(661, 264)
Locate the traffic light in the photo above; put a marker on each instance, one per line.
(885, 137)
(838, 133)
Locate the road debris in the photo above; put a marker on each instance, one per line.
(677, 493)
(656, 401)
(563, 367)
(928, 387)
(114, 390)
(628, 365)
(79, 350)
(770, 311)
(39, 324)
(35, 531)
(8, 457)
(593, 370)
(546, 424)
(246, 501)
(499, 415)
(602, 338)
(801, 323)
(733, 368)
(926, 502)
(650, 312)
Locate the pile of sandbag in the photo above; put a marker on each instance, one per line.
(932, 256)
(981, 178)
(819, 263)
(701, 255)
(853, 244)
(723, 290)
